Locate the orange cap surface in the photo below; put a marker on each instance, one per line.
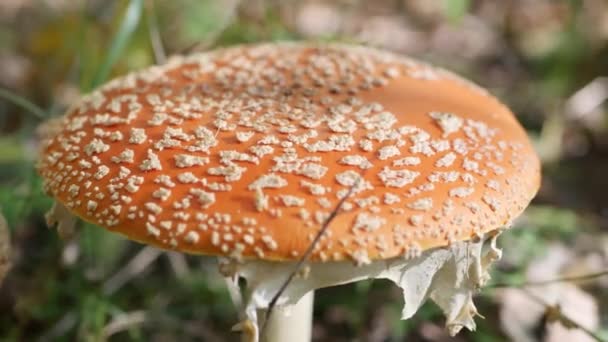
(245, 151)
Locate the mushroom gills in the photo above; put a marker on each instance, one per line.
(450, 276)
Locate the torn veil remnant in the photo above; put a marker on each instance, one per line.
(63, 219)
(163, 155)
(449, 276)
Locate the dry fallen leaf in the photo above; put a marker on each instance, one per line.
(520, 314)
(4, 248)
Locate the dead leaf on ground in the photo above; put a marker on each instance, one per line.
(520, 315)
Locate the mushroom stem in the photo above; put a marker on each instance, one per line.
(293, 323)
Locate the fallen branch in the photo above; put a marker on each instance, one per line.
(134, 267)
(124, 322)
(553, 313)
(583, 277)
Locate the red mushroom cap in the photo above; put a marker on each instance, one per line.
(244, 152)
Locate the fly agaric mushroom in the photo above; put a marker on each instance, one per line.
(243, 152)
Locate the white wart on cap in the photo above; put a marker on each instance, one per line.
(245, 151)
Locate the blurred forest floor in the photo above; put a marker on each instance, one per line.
(548, 60)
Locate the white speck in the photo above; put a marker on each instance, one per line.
(440, 145)
(133, 183)
(492, 202)
(446, 160)
(248, 239)
(468, 178)
(449, 123)
(102, 171)
(392, 72)
(260, 200)
(176, 133)
(152, 230)
(206, 138)
(268, 181)
(367, 222)
(125, 156)
(84, 164)
(116, 209)
(96, 146)
(324, 202)
(356, 160)
(91, 205)
(204, 198)
(447, 177)
(387, 152)
(187, 178)
(162, 193)
(185, 160)
(493, 184)
(473, 207)
(360, 257)
(461, 192)
(167, 225)
(312, 170)
(138, 136)
(292, 201)
(243, 136)
(422, 204)
(336, 142)
(407, 161)
(390, 198)
(191, 237)
(347, 178)
(416, 220)
(268, 140)
(269, 242)
(231, 172)
(397, 178)
(153, 208)
(164, 180)
(215, 239)
(151, 163)
(115, 136)
(460, 146)
(470, 165)
(228, 156)
(315, 189)
(261, 150)
(366, 145)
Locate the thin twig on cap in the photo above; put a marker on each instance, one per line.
(307, 254)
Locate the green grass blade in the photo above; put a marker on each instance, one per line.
(23, 103)
(456, 9)
(156, 41)
(121, 39)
